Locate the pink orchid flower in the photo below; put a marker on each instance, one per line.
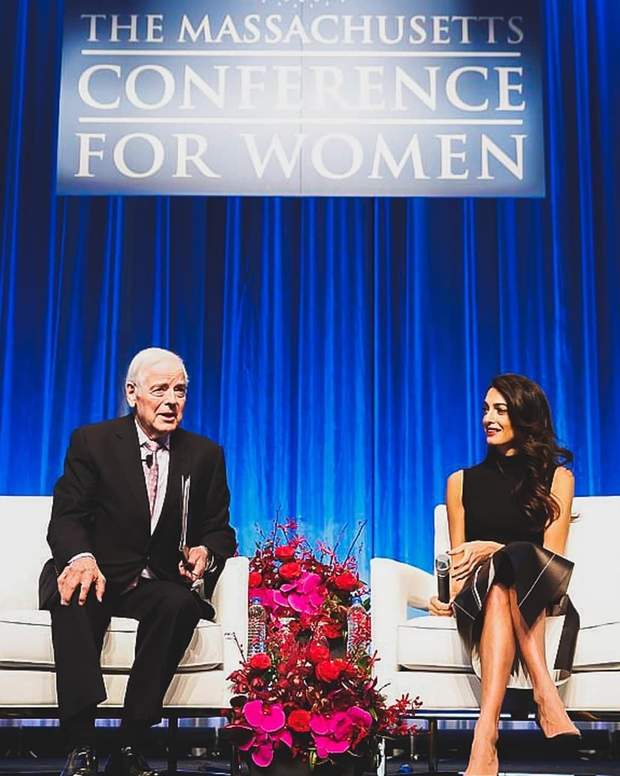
(333, 733)
(268, 722)
(263, 745)
(263, 717)
(360, 717)
(304, 595)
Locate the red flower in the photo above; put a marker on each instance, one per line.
(331, 630)
(330, 670)
(299, 721)
(286, 552)
(343, 664)
(255, 579)
(260, 662)
(290, 570)
(346, 581)
(317, 652)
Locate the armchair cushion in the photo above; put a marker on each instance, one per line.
(26, 642)
(598, 648)
(433, 643)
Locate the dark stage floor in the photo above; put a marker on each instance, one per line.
(521, 752)
(51, 767)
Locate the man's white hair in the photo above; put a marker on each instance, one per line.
(148, 358)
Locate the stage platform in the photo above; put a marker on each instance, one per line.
(36, 752)
(52, 767)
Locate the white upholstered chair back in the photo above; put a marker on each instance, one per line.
(593, 547)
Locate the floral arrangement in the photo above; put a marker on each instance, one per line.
(305, 694)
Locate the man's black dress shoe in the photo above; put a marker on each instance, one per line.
(128, 762)
(82, 761)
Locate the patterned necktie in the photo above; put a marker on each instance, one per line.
(153, 474)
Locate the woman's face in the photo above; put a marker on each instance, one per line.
(496, 421)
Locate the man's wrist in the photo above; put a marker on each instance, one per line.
(79, 556)
(211, 563)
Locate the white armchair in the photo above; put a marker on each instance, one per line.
(27, 680)
(424, 656)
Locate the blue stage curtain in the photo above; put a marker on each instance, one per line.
(338, 348)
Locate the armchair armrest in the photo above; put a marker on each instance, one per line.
(230, 599)
(394, 586)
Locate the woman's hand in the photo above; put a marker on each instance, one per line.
(438, 609)
(474, 553)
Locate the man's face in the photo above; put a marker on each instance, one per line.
(159, 398)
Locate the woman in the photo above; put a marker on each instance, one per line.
(509, 518)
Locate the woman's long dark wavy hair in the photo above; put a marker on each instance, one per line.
(535, 440)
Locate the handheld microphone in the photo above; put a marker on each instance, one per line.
(442, 568)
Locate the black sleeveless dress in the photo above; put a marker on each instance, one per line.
(540, 577)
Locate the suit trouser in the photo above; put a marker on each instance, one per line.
(167, 614)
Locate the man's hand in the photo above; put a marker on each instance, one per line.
(474, 553)
(82, 573)
(439, 609)
(194, 563)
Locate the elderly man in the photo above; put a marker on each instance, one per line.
(114, 535)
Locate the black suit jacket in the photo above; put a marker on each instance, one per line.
(101, 506)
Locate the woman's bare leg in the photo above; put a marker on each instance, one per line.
(497, 653)
(553, 718)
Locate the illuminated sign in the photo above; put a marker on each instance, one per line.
(316, 97)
